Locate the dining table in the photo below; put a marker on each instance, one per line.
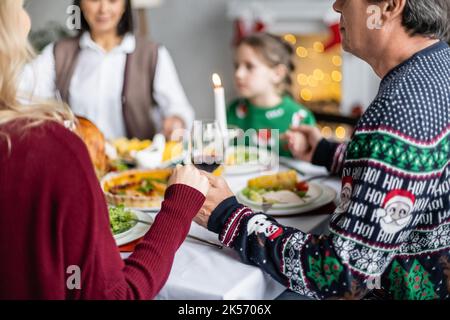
(205, 272)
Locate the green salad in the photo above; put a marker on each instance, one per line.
(257, 194)
(254, 194)
(121, 219)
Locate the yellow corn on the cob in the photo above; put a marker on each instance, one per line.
(282, 180)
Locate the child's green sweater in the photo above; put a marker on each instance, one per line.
(245, 115)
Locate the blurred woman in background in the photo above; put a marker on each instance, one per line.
(126, 85)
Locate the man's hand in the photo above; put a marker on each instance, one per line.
(303, 141)
(172, 128)
(218, 192)
(190, 176)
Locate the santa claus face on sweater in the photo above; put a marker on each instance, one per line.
(260, 225)
(397, 213)
(346, 195)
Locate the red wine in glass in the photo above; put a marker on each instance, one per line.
(207, 148)
(207, 163)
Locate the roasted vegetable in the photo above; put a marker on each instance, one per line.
(281, 181)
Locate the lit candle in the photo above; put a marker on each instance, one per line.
(220, 105)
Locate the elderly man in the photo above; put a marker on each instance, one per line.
(393, 231)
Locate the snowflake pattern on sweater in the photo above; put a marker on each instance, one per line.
(393, 228)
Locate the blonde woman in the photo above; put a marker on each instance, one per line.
(53, 217)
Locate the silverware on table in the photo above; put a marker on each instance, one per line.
(210, 243)
(218, 246)
(266, 206)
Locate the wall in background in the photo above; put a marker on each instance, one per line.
(196, 32)
(198, 35)
(44, 11)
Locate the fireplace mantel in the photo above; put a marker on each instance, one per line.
(284, 16)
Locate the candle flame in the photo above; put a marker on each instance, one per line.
(217, 81)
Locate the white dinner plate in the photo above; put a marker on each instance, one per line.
(173, 162)
(314, 192)
(126, 233)
(327, 196)
(137, 232)
(260, 159)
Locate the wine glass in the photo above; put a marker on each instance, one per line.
(207, 146)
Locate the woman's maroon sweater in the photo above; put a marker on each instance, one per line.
(54, 220)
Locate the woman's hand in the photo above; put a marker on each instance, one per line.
(218, 192)
(173, 128)
(190, 176)
(303, 141)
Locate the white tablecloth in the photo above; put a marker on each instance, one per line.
(202, 272)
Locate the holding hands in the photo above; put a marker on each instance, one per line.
(303, 141)
(215, 189)
(190, 176)
(219, 191)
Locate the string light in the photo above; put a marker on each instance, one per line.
(336, 76)
(318, 75)
(306, 94)
(327, 133)
(341, 133)
(318, 47)
(337, 61)
(302, 79)
(302, 52)
(290, 38)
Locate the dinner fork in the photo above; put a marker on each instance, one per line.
(266, 206)
(210, 243)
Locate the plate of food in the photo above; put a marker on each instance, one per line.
(247, 159)
(125, 224)
(137, 189)
(284, 191)
(328, 196)
(124, 154)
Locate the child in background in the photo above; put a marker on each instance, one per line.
(263, 67)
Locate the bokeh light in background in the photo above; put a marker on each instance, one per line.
(318, 72)
(290, 38)
(319, 78)
(302, 52)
